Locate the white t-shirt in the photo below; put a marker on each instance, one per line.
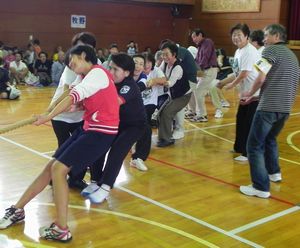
(260, 50)
(244, 60)
(67, 78)
(70, 79)
(17, 67)
(150, 95)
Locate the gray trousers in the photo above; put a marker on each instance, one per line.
(167, 114)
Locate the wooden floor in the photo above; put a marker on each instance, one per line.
(188, 198)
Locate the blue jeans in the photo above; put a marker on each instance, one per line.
(262, 147)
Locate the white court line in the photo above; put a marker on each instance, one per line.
(265, 220)
(173, 210)
(187, 216)
(290, 142)
(227, 140)
(218, 126)
(25, 147)
(209, 133)
(48, 152)
(203, 128)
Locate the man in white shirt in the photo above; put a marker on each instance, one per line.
(18, 69)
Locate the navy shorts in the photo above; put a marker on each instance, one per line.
(83, 148)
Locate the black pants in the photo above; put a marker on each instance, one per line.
(125, 139)
(244, 119)
(63, 130)
(143, 145)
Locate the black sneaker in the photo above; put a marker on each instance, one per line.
(12, 216)
(164, 143)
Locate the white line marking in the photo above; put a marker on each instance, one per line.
(227, 140)
(173, 210)
(211, 134)
(187, 216)
(25, 147)
(48, 152)
(265, 220)
(203, 128)
(218, 126)
(290, 142)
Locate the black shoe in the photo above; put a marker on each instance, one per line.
(164, 143)
(78, 184)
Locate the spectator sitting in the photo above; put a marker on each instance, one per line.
(6, 90)
(100, 55)
(55, 55)
(29, 57)
(1, 49)
(113, 49)
(58, 68)
(18, 69)
(105, 53)
(132, 48)
(148, 50)
(42, 69)
(8, 58)
(37, 48)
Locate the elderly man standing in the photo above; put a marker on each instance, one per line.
(206, 59)
(278, 79)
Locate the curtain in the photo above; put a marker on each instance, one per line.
(294, 20)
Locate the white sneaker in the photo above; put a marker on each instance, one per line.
(177, 134)
(225, 104)
(275, 177)
(219, 114)
(241, 158)
(250, 191)
(89, 189)
(12, 216)
(139, 164)
(98, 196)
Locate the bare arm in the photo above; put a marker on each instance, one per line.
(24, 71)
(248, 96)
(156, 81)
(63, 95)
(59, 108)
(259, 81)
(226, 81)
(242, 75)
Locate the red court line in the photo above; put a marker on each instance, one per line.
(207, 176)
(213, 178)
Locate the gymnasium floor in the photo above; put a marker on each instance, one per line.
(188, 198)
